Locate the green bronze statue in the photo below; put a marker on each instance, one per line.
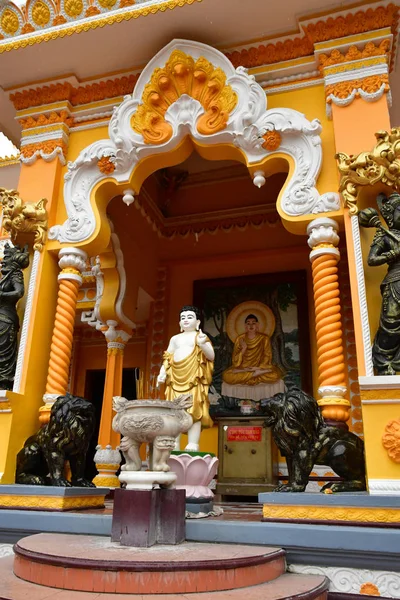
(11, 290)
(385, 249)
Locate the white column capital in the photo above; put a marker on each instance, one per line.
(323, 237)
(323, 231)
(116, 338)
(72, 262)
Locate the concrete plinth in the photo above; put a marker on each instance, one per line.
(51, 498)
(355, 508)
(143, 518)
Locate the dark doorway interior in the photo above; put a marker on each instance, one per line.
(94, 388)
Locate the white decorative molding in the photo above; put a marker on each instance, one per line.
(93, 317)
(380, 382)
(290, 78)
(247, 123)
(26, 322)
(382, 401)
(384, 487)
(129, 197)
(56, 153)
(289, 87)
(356, 75)
(6, 549)
(332, 391)
(351, 581)
(362, 298)
(122, 280)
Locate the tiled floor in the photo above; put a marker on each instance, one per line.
(232, 511)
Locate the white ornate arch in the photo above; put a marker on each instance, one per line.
(247, 123)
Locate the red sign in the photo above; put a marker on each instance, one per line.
(244, 434)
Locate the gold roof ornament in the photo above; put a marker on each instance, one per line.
(183, 75)
(21, 217)
(381, 165)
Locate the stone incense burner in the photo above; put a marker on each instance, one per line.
(157, 423)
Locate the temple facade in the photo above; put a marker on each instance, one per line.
(180, 153)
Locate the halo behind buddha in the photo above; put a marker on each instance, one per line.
(235, 322)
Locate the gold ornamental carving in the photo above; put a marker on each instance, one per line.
(40, 14)
(108, 4)
(272, 140)
(183, 75)
(73, 8)
(381, 165)
(369, 589)
(9, 22)
(391, 440)
(331, 513)
(22, 218)
(106, 166)
(51, 502)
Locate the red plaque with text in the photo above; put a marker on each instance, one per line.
(244, 434)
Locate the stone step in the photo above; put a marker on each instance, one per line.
(95, 564)
(285, 587)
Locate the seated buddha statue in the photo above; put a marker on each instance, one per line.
(251, 358)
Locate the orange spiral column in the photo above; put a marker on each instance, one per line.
(323, 240)
(107, 457)
(72, 262)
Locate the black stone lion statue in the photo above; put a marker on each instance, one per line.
(305, 440)
(65, 437)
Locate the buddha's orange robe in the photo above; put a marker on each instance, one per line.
(258, 354)
(191, 375)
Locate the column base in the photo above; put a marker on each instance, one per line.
(107, 479)
(335, 409)
(143, 518)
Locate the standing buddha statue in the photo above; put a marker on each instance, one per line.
(188, 368)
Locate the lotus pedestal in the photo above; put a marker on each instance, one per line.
(194, 473)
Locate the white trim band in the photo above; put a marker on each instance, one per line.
(384, 487)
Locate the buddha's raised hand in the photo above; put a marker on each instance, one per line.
(201, 338)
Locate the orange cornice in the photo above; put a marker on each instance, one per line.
(41, 95)
(324, 29)
(58, 92)
(353, 53)
(266, 54)
(104, 89)
(352, 23)
(42, 120)
(299, 45)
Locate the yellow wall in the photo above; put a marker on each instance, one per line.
(24, 419)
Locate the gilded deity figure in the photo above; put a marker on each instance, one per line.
(385, 249)
(188, 368)
(11, 290)
(252, 358)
